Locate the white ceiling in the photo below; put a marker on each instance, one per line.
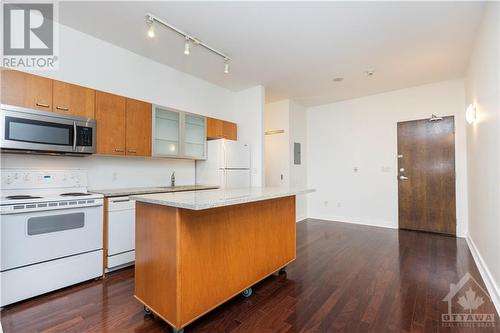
(294, 49)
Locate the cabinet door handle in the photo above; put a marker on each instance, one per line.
(62, 108)
(132, 151)
(43, 105)
(119, 150)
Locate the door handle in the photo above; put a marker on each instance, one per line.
(119, 150)
(43, 105)
(62, 108)
(403, 178)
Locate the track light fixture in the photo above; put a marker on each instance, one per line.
(151, 19)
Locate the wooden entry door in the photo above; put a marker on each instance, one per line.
(426, 175)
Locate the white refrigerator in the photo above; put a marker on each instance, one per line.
(227, 164)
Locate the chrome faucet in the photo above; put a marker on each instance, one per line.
(172, 179)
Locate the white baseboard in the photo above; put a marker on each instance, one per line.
(488, 279)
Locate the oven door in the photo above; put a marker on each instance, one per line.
(24, 129)
(29, 238)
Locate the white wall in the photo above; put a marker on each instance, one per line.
(298, 173)
(280, 169)
(277, 146)
(362, 133)
(248, 112)
(483, 146)
(94, 63)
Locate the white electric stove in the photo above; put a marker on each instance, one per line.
(51, 232)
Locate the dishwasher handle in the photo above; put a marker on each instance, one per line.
(120, 203)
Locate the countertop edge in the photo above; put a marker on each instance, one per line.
(111, 193)
(228, 202)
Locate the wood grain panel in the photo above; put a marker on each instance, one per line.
(221, 129)
(110, 116)
(73, 99)
(227, 249)
(189, 262)
(138, 127)
(229, 130)
(156, 259)
(26, 90)
(347, 278)
(427, 197)
(214, 128)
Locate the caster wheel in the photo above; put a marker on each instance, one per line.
(174, 330)
(282, 270)
(247, 292)
(147, 311)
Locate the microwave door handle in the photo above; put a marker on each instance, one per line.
(74, 135)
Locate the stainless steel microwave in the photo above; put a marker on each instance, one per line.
(33, 131)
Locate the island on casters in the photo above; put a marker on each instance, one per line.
(196, 250)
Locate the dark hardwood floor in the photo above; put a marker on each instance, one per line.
(347, 278)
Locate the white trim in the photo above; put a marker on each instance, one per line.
(488, 279)
(381, 224)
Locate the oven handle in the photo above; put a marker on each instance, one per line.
(74, 135)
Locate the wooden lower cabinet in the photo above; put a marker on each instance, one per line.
(25, 90)
(188, 262)
(73, 100)
(138, 127)
(110, 111)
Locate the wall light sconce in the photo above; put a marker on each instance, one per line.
(272, 132)
(471, 114)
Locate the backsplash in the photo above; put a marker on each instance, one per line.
(108, 172)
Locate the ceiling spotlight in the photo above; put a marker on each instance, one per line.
(151, 30)
(186, 47)
(226, 66)
(338, 79)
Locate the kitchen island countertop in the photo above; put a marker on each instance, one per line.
(219, 197)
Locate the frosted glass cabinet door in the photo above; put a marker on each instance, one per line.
(194, 136)
(167, 134)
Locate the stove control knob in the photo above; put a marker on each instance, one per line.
(16, 176)
(8, 180)
(26, 177)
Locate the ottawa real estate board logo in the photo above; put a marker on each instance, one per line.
(29, 36)
(467, 302)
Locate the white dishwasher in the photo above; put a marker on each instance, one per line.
(121, 232)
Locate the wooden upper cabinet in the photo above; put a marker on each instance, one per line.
(229, 130)
(221, 129)
(75, 100)
(110, 114)
(138, 127)
(214, 128)
(26, 90)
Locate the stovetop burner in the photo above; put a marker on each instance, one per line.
(74, 194)
(21, 197)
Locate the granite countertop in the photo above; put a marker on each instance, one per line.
(118, 192)
(218, 198)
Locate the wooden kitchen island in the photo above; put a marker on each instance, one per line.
(196, 250)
